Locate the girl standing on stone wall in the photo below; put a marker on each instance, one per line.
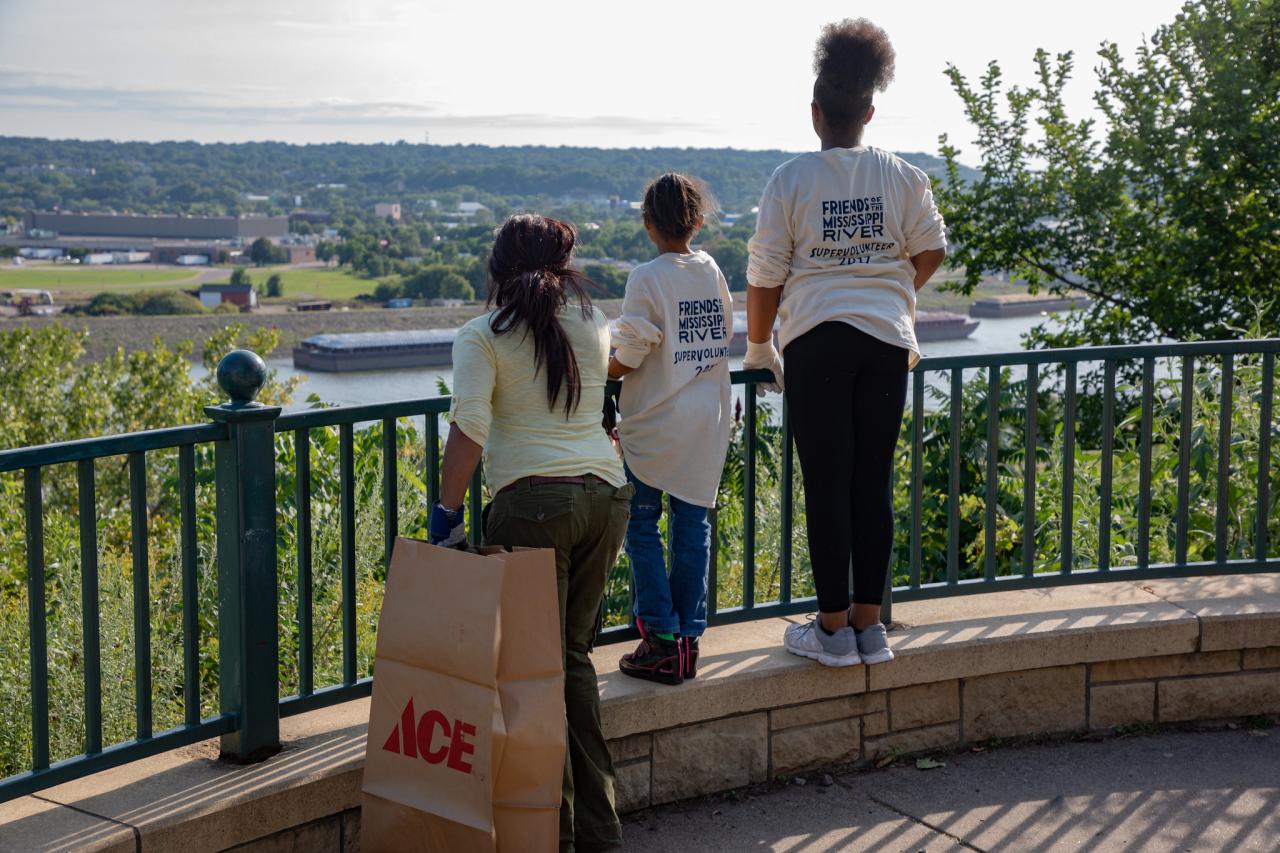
(844, 238)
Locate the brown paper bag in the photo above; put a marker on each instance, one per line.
(466, 736)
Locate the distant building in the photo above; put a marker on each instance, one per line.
(39, 254)
(213, 295)
(171, 227)
(470, 208)
(311, 217)
(301, 254)
(384, 210)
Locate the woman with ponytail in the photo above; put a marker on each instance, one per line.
(528, 390)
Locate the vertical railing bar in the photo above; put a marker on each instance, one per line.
(1068, 468)
(475, 496)
(91, 629)
(788, 506)
(302, 461)
(749, 511)
(1186, 405)
(141, 593)
(346, 464)
(1224, 458)
(390, 490)
(1144, 467)
(953, 479)
(713, 567)
(993, 460)
(190, 585)
(433, 457)
(1029, 472)
(37, 614)
(1260, 544)
(917, 473)
(1108, 452)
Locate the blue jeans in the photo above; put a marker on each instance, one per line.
(675, 604)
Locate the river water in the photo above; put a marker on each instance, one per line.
(377, 386)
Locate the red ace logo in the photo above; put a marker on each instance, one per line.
(419, 738)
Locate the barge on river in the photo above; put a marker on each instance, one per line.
(942, 326)
(342, 353)
(1026, 304)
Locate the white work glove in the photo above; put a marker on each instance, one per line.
(765, 357)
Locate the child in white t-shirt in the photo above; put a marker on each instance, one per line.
(672, 345)
(845, 236)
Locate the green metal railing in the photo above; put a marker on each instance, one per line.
(242, 436)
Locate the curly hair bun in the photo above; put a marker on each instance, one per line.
(853, 59)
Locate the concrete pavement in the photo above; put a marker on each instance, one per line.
(1174, 791)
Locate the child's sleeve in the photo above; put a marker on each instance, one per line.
(922, 224)
(770, 248)
(475, 372)
(637, 331)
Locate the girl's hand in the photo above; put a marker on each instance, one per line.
(765, 356)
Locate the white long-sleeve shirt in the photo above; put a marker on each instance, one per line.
(675, 329)
(836, 230)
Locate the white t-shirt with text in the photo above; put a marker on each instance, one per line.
(836, 230)
(675, 329)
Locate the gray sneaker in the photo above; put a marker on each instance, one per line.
(809, 641)
(873, 644)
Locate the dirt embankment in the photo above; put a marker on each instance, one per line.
(106, 334)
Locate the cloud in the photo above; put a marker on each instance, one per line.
(28, 90)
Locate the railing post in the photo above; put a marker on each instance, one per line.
(248, 643)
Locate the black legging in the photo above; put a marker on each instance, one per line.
(845, 396)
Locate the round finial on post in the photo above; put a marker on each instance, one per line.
(242, 373)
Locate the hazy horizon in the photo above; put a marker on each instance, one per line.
(575, 76)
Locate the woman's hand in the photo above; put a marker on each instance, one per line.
(446, 527)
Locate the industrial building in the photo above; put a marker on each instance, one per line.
(244, 228)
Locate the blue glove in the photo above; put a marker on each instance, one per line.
(446, 527)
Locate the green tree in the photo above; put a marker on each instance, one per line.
(1166, 217)
(263, 252)
(731, 256)
(275, 285)
(240, 275)
(610, 281)
(455, 286)
(324, 251)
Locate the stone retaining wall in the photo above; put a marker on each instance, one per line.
(717, 755)
(968, 671)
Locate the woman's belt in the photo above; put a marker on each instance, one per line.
(544, 481)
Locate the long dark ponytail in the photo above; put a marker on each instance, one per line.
(529, 282)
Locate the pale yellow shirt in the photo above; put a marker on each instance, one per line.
(500, 402)
(836, 231)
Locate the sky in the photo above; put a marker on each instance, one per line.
(708, 73)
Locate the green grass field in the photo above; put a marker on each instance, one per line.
(93, 279)
(298, 283)
(315, 283)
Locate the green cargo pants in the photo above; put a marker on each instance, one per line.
(585, 524)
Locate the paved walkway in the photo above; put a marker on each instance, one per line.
(1180, 791)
